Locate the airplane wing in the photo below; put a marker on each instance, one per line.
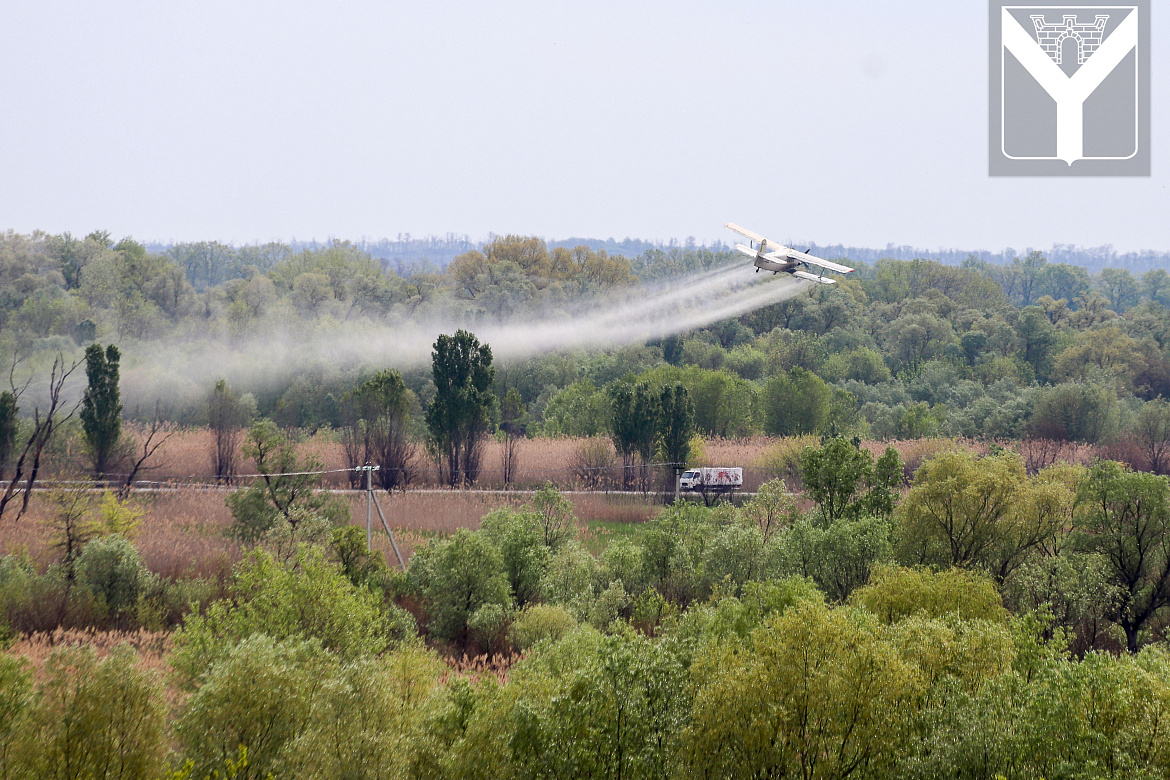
(745, 232)
(813, 277)
(841, 269)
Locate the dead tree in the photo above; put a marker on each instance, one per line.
(45, 423)
(151, 438)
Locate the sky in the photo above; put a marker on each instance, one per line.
(851, 123)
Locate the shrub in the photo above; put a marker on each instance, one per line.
(95, 719)
(114, 572)
(539, 622)
(895, 593)
(258, 696)
(310, 599)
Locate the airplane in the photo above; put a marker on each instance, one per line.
(775, 257)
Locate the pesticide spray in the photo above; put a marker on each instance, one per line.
(184, 372)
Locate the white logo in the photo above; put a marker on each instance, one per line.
(1070, 52)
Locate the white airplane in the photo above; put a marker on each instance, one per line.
(775, 257)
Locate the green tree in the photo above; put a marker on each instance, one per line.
(308, 599)
(634, 423)
(461, 412)
(578, 410)
(1120, 287)
(1037, 340)
(1151, 429)
(457, 578)
(285, 491)
(226, 417)
(816, 693)
(8, 421)
(966, 511)
(1075, 412)
(382, 405)
(1125, 516)
(842, 479)
(101, 407)
(96, 719)
(676, 426)
(513, 427)
(258, 696)
(795, 403)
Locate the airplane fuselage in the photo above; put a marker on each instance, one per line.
(773, 266)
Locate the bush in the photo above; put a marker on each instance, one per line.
(95, 719)
(310, 599)
(539, 622)
(114, 572)
(895, 593)
(258, 696)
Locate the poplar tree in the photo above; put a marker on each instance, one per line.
(461, 412)
(101, 407)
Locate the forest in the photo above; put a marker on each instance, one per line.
(951, 557)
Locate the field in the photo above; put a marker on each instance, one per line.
(185, 519)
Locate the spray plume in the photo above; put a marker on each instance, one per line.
(185, 371)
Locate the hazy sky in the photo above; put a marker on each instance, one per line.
(854, 123)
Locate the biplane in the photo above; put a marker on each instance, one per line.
(777, 258)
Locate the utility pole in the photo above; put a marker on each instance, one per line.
(371, 504)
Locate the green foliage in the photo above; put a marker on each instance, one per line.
(676, 425)
(837, 556)
(114, 572)
(895, 593)
(380, 413)
(846, 698)
(599, 707)
(458, 577)
(101, 407)
(836, 474)
(578, 410)
(795, 403)
(284, 492)
(257, 696)
(1125, 516)
(8, 424)
(94, 719)
(464, 403)
(634, 424)
(15, 702)
(308, 599)
(540, 622)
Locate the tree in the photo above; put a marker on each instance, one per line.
(461, 412)
(966, 511)
(1152, 431)
(1125, 516)
(513, 426)
(101, 407)
(1075, 412)
(795, 403)
(676, 426)
(457, 578)
(381, 406)
(1037, 339)
(285, 490)
(96, 718)
(44, 425)
(833, 475)
(225, 415)
(634, 424)
(8, 410)
(1120, 287)
(1155, 285)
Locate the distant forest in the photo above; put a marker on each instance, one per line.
(408, 254)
